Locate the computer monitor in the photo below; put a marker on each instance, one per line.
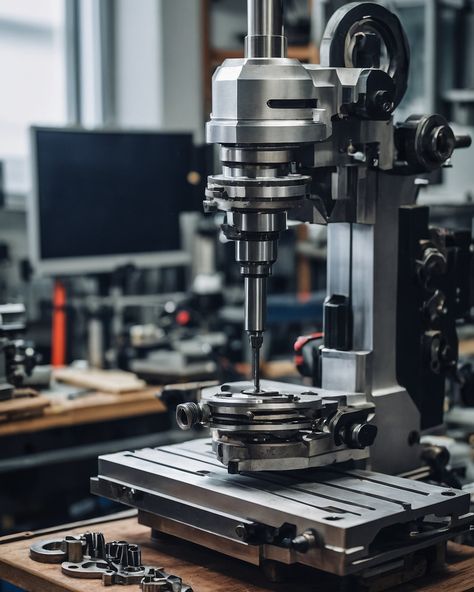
(104, 199)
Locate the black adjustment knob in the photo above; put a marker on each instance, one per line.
(336, 322)
(463, 141)
(380, 96)
(433, 264)
(426, 142)
(361, 435)
(188, 415)
(437, 457)
(440, 353)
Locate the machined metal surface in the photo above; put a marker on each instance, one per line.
(159, 581)
(359, 518)
(71, 548)
(281, 426)
(282, 114)
(90, 569)
(49, 551)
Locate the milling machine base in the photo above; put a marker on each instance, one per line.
(339, 521)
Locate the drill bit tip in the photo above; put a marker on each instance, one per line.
(256, 341)
(256, 369)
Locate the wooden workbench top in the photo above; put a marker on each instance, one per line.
(204, 570)
(89, 408)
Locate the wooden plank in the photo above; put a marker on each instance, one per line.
(107, 381)
(90, 408)
(25, 403)
(466, 347)
(204, 570)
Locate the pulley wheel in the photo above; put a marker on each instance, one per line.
(367, 35)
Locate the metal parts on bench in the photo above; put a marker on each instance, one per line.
(88, 556)
(70, 548)
(117, 562)
(159, 581)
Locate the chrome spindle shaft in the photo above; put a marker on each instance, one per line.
(265, 37)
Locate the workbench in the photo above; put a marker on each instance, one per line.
(92, 407)
(56, 453)
(205, 571)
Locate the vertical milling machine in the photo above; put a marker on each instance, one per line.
(285, 478)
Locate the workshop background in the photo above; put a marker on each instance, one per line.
(151, 288)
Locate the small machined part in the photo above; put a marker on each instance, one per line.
(50, 551)
(160, 581)
(126, 577)
(71, 548)
(188, 415)
(154, 584)
(110, 573)
(75, 547)
(89, 569)
(116, 563)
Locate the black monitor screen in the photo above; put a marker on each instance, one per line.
(110, 193)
